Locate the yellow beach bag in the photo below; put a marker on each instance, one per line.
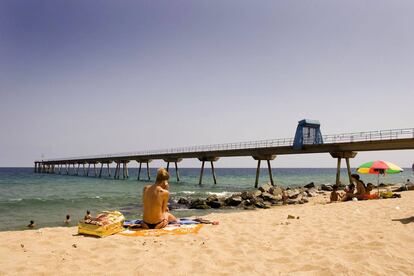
(105, 224)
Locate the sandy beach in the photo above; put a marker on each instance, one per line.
(353, 238)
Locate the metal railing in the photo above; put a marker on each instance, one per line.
(379, 135)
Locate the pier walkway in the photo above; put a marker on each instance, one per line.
(339, 146)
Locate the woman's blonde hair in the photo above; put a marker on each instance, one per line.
(162, 175)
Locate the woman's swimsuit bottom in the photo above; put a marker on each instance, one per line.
(153, 225)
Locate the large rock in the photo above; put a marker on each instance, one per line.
(233, 200)
(214, 202)
(266, 188)
(199, 204)
(212, 198)
(292, 193)
(248, 195)
(310, 185)
(268, 196)
(277, 191)
(291, 201)
(260, 204)
(312, 192)
(183, 201)
(327, 188)
(257, 193)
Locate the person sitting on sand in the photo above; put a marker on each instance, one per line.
(409, 185)
(32, 224)
(369, 188)
(88, 215)
(335, 196)
(67, 220)
(349, 192)
(360, 186)
(155, 198)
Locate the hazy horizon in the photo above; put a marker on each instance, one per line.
(85, 78)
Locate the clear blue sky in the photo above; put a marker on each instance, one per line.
(91, 77)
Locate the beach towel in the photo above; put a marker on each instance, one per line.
(172, 229)
(183, 221)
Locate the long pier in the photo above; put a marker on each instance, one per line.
(339, 146)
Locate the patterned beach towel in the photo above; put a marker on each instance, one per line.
(172, 229)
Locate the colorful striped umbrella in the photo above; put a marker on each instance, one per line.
(379, 167)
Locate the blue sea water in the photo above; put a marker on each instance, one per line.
(47, 198)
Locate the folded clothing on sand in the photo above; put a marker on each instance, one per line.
(105, 224)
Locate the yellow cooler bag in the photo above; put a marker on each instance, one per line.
(105, 224)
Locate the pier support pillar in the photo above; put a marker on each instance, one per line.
(141, 161)
(67, 169)
(338, 172)
(77, 170)
(175, 160)
(139, 170)
(100, 171)
(109, 171)
(177, 172)
(148, 171)
(210, 159)
(116, 174)
(259, 158)
(339, 156)
(84, 169)
(125, 169)
(89, 167)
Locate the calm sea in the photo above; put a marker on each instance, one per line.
(47, 198)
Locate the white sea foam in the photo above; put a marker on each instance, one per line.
(219, 194)
(16, 199)
(188, 192)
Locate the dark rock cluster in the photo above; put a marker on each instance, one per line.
(264, 197)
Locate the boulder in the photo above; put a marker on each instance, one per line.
(312, 192)
(233, 200)
(199, 204)
(257, 193)
(291, 201)
(260, 204)
(277, 191)
(327, 188)
(211, 198)
(268, 196)
(183, 201)
(266, 188)
(292, 193)
(310, 185)
(247, 195)
(215, 204)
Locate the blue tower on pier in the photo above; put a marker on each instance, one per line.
(308, 132)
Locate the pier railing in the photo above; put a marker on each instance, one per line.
(379, 135)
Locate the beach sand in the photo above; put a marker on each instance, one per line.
(373, 237)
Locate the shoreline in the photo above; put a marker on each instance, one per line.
(364, 237)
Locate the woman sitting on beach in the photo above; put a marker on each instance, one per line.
(360, 186)
(155, 199)
(349, 192)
